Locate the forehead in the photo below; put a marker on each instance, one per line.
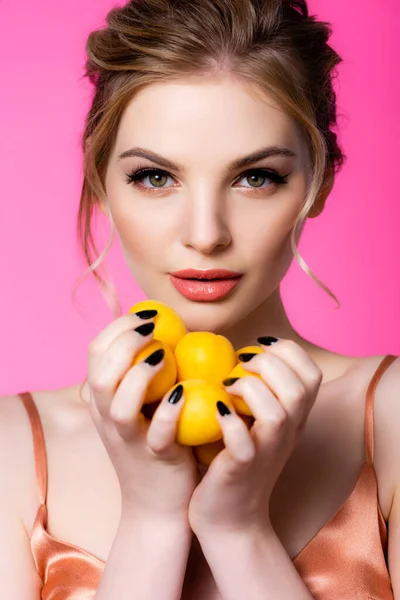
(221, 114)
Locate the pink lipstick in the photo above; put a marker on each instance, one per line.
(205, 285)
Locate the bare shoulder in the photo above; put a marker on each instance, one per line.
(386, 414)
(57, 409)
(19, 577)
(59, 415)
(19, 495)
(387, 428)
(353, 385)
(386, 406)
(16, 449)
(83, 489)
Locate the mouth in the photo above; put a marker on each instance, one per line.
(206, 275)
(205, 286)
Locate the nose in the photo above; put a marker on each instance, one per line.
(205, 223)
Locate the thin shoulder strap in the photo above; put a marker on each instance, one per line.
(39, 447)
(369, 406)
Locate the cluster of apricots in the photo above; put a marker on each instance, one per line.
(199, 361)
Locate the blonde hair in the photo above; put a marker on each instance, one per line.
(274, 44)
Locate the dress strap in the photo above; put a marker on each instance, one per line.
(369, 406)
(39, 447)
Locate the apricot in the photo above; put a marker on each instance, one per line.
(198, 423)
(165, 378)
(168, 325)
(204, 355)
(239, 371)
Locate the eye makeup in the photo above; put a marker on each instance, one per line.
(140, 173)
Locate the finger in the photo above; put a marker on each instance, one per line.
(264, 405)
(109, 334)
(283, 382)
(161, 435)
(240, 447)
(107, 370)
(298, 359)
(126, 405)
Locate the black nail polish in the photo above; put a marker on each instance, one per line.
(223, 409)
(246, 356)
(155, 358)
(230, 381)
(176, 395)
(146, 314)
(267, 340)
(145, 329)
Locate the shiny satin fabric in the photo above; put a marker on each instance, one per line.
(67, 572)
(345, 560)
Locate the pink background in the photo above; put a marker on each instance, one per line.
(353, 247)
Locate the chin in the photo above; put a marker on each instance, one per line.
(207, 316)
(214, 316)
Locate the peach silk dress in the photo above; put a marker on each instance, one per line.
(345, 560)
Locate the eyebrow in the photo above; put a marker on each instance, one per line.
(239, 163)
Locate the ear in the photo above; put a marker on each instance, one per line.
(325, 190)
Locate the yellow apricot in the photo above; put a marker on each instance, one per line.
(168, 325)
(198, 423)
(238, 402)
(165, 378)
(204, 355)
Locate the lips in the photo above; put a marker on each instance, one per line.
(210, 274)
(205, 286)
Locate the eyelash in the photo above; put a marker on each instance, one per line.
(136, 177)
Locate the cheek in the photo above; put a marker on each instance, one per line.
(141, 239)
(266, 236)
(139, 221)
(275, 253)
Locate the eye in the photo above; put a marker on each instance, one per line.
(156, 178)
(258, 177)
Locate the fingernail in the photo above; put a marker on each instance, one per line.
(145, 329)
(246, 356)
(176, 394)
(146, 314)
(155, 357)
(230, 381)
(267, 340)
(223, 409)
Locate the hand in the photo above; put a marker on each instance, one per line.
(157, 476)
(234, 494)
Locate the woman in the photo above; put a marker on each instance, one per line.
(208, 144)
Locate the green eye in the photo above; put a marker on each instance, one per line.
(156, 177)
(254, 179)
(156, 180)
(260, 175)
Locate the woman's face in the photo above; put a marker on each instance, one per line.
(201, 211)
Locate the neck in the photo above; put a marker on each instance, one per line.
(269, 318)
